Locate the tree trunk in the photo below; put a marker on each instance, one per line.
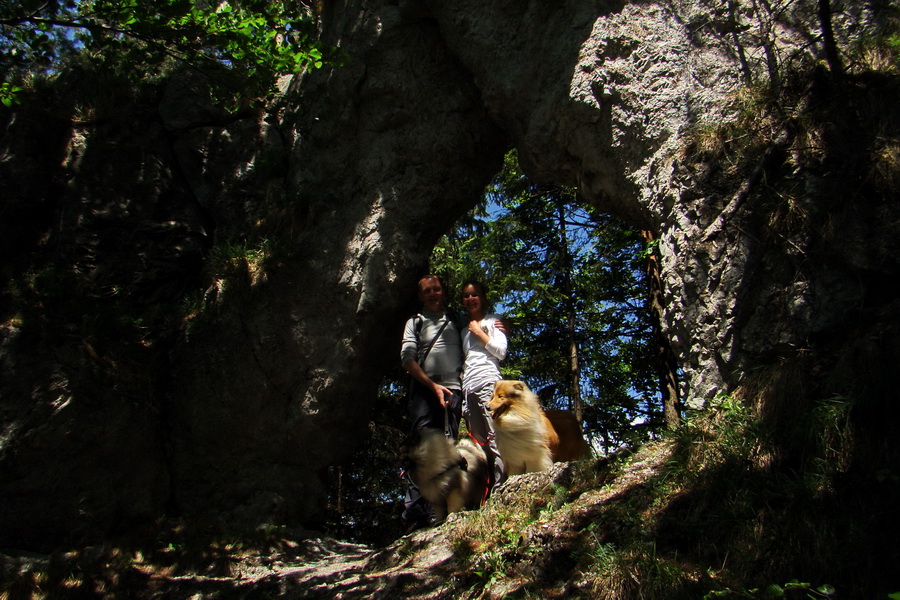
(574, 373)
(831, 51)
(666, 365)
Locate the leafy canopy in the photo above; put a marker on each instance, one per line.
(255, 39)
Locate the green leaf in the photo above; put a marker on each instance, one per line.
(10, 94)
(152, 34)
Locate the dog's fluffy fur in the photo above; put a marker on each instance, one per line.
(570, 443)
(523, 431)
(527, 439)
(453, 477)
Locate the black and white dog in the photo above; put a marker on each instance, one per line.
(453, 477)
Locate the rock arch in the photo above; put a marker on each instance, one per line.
(349, 180)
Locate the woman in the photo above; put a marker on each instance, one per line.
(484, 346)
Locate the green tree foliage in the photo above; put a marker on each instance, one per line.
(253, 40)
(551, 261)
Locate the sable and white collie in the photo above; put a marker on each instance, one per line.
(527, 439)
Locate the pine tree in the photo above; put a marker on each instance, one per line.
(573, 282)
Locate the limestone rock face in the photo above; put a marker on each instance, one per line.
(295, 236)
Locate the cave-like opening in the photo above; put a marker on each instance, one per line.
(574, 283)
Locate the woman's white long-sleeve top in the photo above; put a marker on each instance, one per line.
(482, 362)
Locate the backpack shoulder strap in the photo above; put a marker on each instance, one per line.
(447, 319)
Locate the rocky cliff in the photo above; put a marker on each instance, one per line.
(199, 304)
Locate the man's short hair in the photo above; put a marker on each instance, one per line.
(432, 276)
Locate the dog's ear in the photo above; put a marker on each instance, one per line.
(519, 386)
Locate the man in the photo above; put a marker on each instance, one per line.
(431, 353)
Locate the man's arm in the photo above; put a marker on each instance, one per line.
(504, 326)
(416, 372)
